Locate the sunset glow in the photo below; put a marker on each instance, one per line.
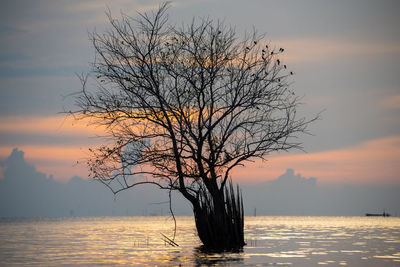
(347, 68)
(56, 125)
(373, 162)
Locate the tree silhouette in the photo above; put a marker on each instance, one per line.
(182, 107)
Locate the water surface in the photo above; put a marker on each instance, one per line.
(271, 241)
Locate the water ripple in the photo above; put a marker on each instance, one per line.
(284, 241)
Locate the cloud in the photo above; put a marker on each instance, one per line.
(2, 170)
(66, 71)
(53, 144)
(58, 161)
(291, 194)
(11, 57)
(392, 102)
(36, 95)
(372, 162)
(321, 50)
(26, 192)
(288, 180)
(49, 125)
(8, 30)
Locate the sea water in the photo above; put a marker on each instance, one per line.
(271, 241)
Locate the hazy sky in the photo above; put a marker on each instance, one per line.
(25, 192)
(346, 56)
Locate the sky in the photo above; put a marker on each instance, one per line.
(27, 192)
(345, 55)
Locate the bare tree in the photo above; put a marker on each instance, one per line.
(182, 107)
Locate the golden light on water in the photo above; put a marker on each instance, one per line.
(298, 241)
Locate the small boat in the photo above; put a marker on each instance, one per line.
(384, 214)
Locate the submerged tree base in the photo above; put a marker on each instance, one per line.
(210, 251)
(220, 221)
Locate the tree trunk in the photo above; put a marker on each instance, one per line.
(219, 220)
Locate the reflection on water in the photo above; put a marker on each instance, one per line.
(271, 241)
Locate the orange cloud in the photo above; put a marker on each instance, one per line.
(373, 162)
(61, 162)
(313, 50)
(392, 102)
(57, 125)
